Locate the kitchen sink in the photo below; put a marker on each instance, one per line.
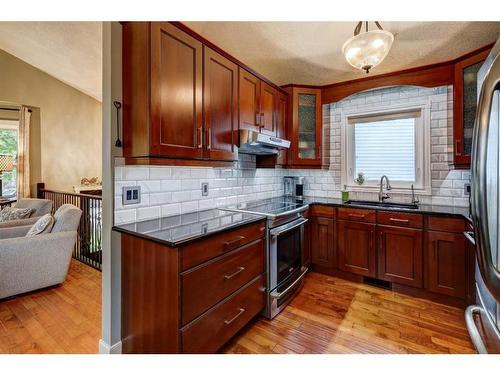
(402, 206)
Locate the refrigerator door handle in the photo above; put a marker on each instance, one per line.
(474, 334)
(489, 272)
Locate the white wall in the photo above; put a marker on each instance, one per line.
(66, 124)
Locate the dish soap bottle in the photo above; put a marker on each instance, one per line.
(345, 194)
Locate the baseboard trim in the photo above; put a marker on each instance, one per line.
(104, 347)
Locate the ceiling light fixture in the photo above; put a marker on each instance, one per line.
(368, 49)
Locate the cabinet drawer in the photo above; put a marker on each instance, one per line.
(212, 330)
(206, 285)
(357, 214)
(446, 224)
(400, 219)
(219, 244)
(324, 211)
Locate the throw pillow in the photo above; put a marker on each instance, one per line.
(42, 225)
(12, 213)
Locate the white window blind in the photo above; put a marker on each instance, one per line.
(385, 144)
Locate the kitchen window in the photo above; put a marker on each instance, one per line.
(391, 144)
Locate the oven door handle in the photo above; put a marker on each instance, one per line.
(277, 295)
(288, 227)
(294, 211)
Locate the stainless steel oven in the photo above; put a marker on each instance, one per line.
(285, 241)
(286, 272)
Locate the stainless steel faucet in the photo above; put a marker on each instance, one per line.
(383, 196)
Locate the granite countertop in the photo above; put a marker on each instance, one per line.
(428, 209)
(179, 230)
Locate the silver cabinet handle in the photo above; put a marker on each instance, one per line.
(277, 295)
(242, 310)
(490, 274)
(200, 143)
(399, 220)
(238, 271)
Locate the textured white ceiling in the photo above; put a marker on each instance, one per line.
(310, 52)
(68, 51)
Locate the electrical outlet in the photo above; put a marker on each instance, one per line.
(467, 189)
(204, 189)
(131, 195)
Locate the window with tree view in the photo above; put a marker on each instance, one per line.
(8, 146)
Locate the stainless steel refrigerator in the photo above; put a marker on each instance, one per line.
(485, 200)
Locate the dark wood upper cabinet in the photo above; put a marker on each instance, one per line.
(323, 242)
(306, 127)
(249, 101)
(400, 255)
(220, 95)
(176, 93)
(268, 98)
(357, 247)
(184, 98)
(465, 97)
(447, 263)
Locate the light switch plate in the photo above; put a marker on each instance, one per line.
(467, 189)
(131, 195)
(204, 189)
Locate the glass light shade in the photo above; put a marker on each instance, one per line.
(366, 50)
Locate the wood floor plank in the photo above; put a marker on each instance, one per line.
(332, 315)
(329, 315)
(61, 319)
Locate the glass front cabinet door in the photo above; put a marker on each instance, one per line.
(306, 127)
(465, 96)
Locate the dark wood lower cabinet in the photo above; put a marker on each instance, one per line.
(322, 242)
(174, 302)
(357, 248)
(447, 266)
(400, 255)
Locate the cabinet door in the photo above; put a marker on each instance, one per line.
(322, 242)
(281, 125)
(465, 97)
(356, 247)
(268, 96)
(249, 101)
(307, 127)
(220, 93)
(176, 93)
(447, 265)
(400, 255)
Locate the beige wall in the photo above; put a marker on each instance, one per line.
(68, 122)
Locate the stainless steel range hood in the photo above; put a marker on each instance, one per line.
(254, 143)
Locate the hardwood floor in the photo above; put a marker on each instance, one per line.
(331, 315)
(63, 319)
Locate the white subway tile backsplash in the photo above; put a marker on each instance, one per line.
(168, 191)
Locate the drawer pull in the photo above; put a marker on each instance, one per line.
(233, 243)
(239, 270)
(357, 216)
(399, 220)
(226, 322)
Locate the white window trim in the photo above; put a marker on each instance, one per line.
(423, 140)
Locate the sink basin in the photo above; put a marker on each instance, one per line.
(403, 206)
